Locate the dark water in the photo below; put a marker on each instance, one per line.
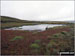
(35, 27)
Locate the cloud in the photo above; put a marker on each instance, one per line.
(39, 10)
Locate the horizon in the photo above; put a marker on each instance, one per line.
(34, 20)
(39, 10)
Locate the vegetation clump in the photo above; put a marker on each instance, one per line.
(35, 46)
(64, 32)
(56, 35)
(17, 38)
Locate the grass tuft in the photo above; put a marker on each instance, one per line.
(35, 46)
(16, 38)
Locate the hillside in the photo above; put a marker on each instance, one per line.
(6, 19)
(8, 22)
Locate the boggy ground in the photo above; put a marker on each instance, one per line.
(22, 46)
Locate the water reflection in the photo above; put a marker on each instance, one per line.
(35, 27)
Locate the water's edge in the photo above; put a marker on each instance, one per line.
(35, 27)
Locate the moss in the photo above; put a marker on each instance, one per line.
(35, 46)
(16, 38)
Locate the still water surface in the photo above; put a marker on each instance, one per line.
(34, 27)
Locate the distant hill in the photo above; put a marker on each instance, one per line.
(8, 22)
(71, 21)
(6, 19)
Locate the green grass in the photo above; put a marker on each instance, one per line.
(35, 46)
(16, 38)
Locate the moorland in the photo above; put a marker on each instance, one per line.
(52, 41)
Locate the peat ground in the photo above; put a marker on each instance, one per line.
(22, 46)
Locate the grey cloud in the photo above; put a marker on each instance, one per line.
(39, 10)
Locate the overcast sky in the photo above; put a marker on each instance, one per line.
(39, 10)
